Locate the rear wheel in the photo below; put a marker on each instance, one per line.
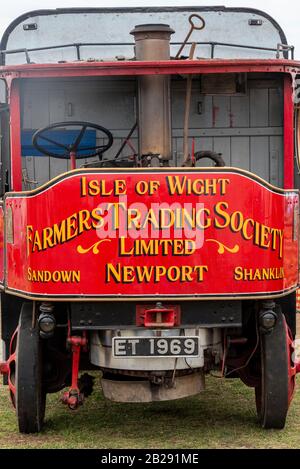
(30, 396)
(274, 392)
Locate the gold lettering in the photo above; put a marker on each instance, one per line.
(29, 231)
(37, 244)
(72, 230)
(220, 210)
(83, 186)
(176, 184)
(238, 273)
(120, 187)
(187, 273)
(128, 274)
(144, 274)
(59, 233)
(113, 273)
(200, 269)
(48, 237)
(83, 220)
(245, 232)
(44, 276)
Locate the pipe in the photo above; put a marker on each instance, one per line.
(152, 43)
(188, 96)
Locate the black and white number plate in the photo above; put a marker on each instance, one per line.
(141, 347)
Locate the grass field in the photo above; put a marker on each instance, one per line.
(223, 416)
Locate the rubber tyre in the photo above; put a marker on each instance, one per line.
(30, 397)
(272, 394)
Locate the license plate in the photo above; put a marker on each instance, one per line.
(141, 347)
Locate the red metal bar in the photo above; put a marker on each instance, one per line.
(75, 366)
(149, 68)
(288, 133)
(73, 159)
(15, 136)
(73, 398)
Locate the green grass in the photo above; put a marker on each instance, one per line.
(223, 416)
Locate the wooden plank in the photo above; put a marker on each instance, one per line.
(57, 166)
(173, 161)
(259, 157)
(240, 152)
(239, 115)
(28, 162)
(276, 161)
(57, 112)
(221, 112)
(112, 109)
(200, 113)
(39, 108)
(275, 107)
(204, 144)
(222, 145)
(259, 99)
(41, 170)
(238, 132)
(202, 107)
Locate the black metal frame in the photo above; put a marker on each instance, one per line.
(112, 316)
(281, 48)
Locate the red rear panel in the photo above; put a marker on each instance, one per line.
(138, 234)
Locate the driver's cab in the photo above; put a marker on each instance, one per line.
(86, 119)
(239, 116)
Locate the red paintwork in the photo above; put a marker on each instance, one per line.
(61, 199)
(8, 368)
(73, 398)
(148, 68)
(138, 68)
(167, 316)
(292, 367)
(12, 366)
(1, 245)
(15, 136)
(288, 133)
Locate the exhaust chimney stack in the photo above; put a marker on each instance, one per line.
(152, 43)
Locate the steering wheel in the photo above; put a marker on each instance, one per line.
(73, 150)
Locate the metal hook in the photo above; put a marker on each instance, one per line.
(192, 28)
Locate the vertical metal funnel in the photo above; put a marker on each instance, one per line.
(152, 43)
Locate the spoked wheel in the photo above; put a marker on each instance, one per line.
(275, 391)
(30, 396)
